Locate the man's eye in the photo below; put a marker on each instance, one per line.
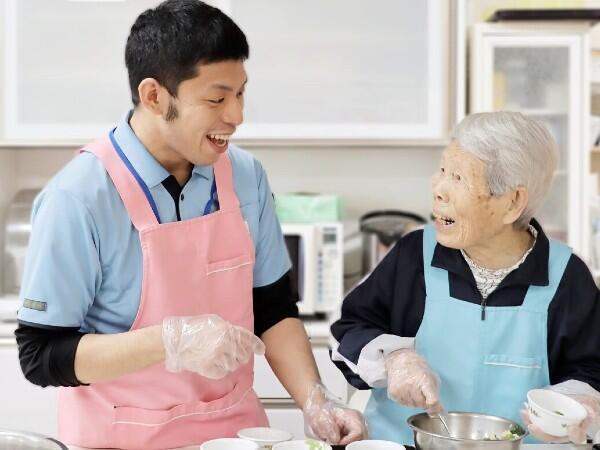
(456, 177)
(442, 170)
(240, 94)
(217, 101)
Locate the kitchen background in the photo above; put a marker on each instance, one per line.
(436, 61)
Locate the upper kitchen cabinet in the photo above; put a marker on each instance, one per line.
(542, 70)
(64, 75)
(334, 71)
(346, 69)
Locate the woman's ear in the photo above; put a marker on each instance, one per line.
(519, 198)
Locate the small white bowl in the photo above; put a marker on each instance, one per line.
(229, 444)
(554, 412)
(304, 444)
(374, 445)
(265, 437)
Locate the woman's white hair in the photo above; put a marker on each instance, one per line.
(517, 150)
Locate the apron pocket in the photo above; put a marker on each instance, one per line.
(228, 265)
(506, 380)
(181, 425)
(516, 362)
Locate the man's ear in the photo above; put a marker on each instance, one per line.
(519, 199)
(153, 96)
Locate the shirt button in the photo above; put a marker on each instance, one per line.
(182, 197)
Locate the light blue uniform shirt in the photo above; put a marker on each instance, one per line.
(84, 261)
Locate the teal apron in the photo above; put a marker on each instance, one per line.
(485, 366)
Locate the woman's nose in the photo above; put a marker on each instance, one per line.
(437, 187)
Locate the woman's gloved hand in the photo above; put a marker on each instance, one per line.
(326, 418)
(411, 382)
(207, 345)
(576, 433)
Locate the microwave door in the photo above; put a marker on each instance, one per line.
(294, 248)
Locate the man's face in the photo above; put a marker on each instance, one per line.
(208, 108)
(466, 214)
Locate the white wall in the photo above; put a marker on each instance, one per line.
(367, 179)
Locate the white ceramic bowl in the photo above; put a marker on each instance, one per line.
(265, 437)
(229, 444)
(554, 412)
(374, 445)
(304, 444)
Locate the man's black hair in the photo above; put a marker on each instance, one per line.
(168, 42)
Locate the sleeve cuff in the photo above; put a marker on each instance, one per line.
(371, 361)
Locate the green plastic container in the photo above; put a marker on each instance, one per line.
(308, 208)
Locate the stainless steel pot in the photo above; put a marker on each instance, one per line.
(468, 431)
(24, 440)
(380, 230)
(16, 238)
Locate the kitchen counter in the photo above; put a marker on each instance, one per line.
(524, 447)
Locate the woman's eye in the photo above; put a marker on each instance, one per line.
(456, 177)
(240, 94)
(442, 170)
(217, 101)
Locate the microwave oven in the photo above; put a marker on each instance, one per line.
(317, 255)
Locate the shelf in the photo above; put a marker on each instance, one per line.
(543, 112)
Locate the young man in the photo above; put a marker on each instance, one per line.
(156, 253)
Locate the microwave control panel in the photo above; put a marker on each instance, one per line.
(330, 267)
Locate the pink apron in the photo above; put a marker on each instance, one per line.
(198, 266)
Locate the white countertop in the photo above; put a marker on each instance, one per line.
(525, 446)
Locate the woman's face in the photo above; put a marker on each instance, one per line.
(466, 214)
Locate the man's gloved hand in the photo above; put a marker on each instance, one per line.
(328, 419)
(576, 433)
(207, 345)
(411, 382)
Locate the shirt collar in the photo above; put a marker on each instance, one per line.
(533, 271)
(204, 171)
(151, 171)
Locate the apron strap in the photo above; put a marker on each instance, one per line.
(538, 298)
(134, 198)
(436, 279)
(225, 190)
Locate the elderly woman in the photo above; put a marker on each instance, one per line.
(473, 312)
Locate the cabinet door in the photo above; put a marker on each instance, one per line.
(345, 68)
(24, 406)
(64, 62)
(267, 386)
(286, 417)
(543, 75)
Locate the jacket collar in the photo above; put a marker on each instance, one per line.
(533, 271)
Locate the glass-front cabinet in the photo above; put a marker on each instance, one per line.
(340, 69)
(541, 70)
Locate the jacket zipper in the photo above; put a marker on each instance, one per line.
(483, 304)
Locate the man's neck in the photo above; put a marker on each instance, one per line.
(152, 140)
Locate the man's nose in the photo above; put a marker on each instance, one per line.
(234, 112)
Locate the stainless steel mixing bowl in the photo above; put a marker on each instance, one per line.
(468, 432)
(24, 440)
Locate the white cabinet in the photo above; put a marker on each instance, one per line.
(24, 406)
(542, 70)
(64, 67)
(335, 70)
(268, 387)
(345, 68)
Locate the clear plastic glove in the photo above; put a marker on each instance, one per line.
(326, 418)
(576, 433)
(207, 345)
(411, 382)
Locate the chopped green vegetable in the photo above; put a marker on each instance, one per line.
(559, 413)
(514, 432)
(515, 428)
(314, 445)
